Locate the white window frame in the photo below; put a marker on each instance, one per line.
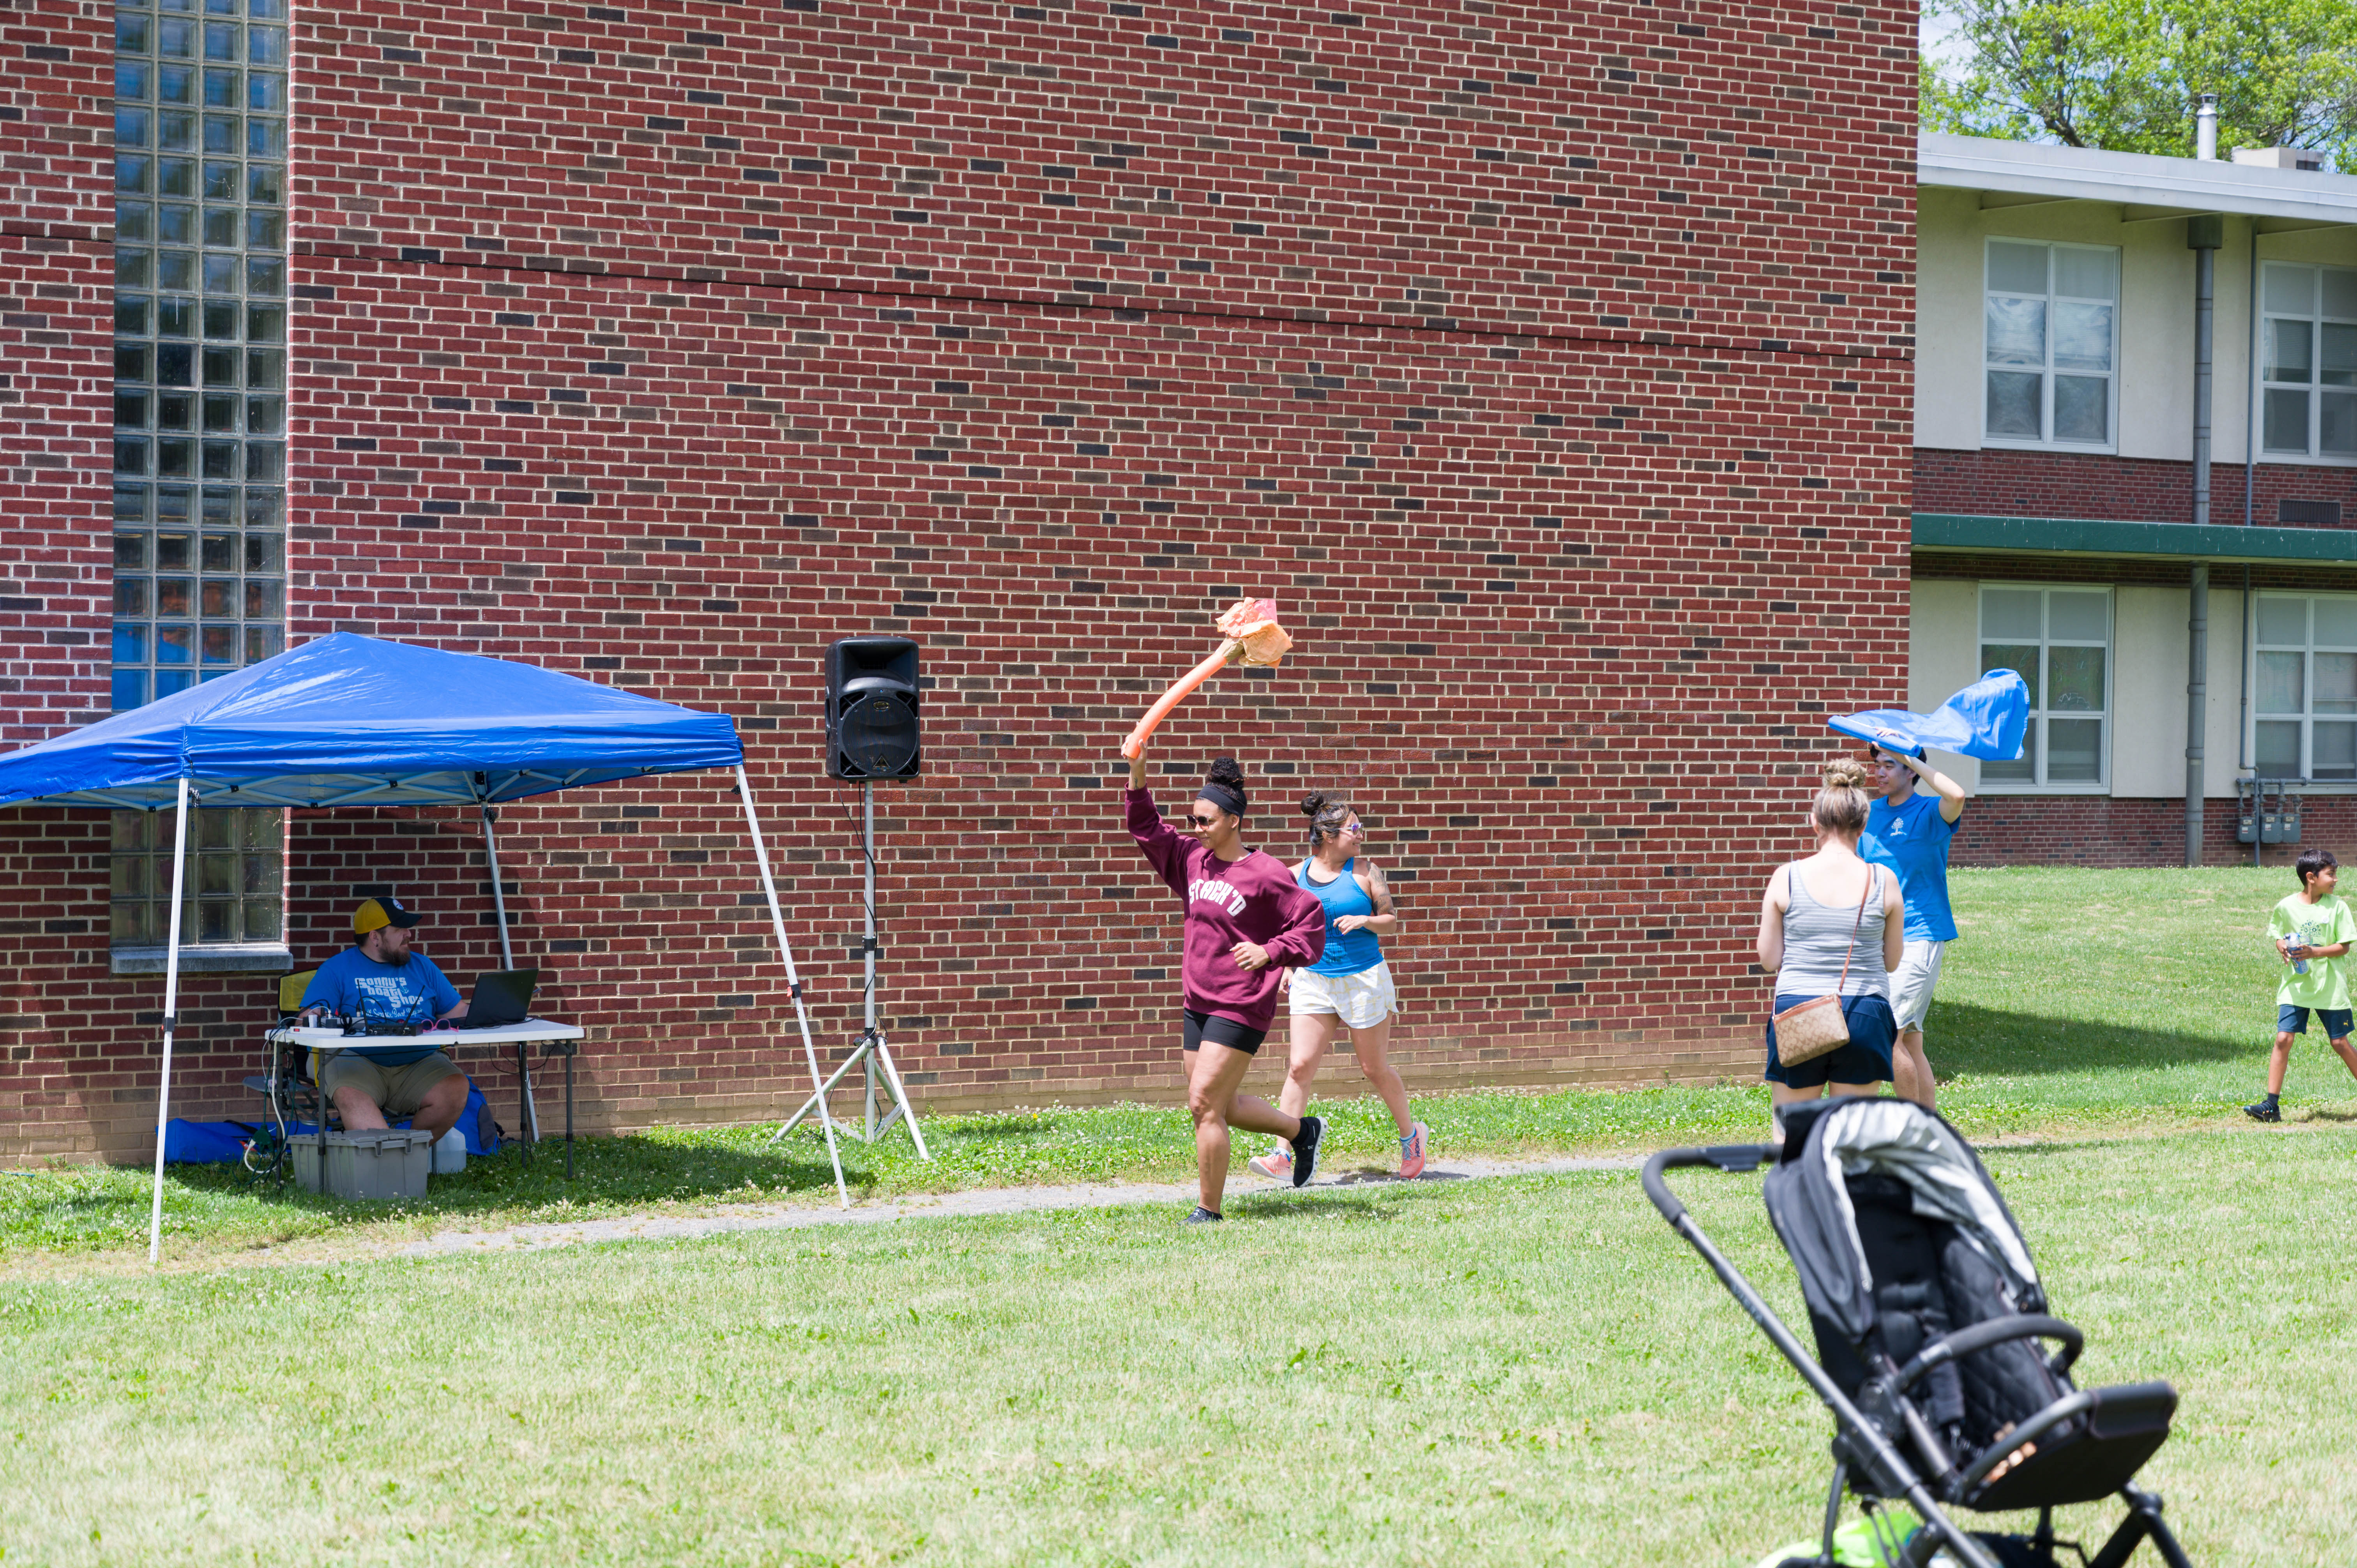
(2317, 321)
(2040, 715)
(2046, 441)
(2307, 717)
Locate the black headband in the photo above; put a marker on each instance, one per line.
(1228, 800)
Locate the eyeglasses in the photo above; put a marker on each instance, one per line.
(1201, 821)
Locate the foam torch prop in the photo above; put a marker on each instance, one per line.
(1251, 633)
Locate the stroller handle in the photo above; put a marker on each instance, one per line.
(1725, 1157)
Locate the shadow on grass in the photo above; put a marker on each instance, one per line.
(1968, 1039)
(629, 1169)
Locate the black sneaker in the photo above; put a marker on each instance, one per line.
(1203, 1216)
(1305, 1149)
(2265, 1111)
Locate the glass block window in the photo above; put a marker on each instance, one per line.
(2060, 640)
(2308, 394)
(2051, 344)
(232, 890)
(199, 340)
(2304, 703)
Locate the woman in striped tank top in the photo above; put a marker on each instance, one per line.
(1832, 922)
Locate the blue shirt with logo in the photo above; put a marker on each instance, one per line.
(351, 981)
(1912, 839)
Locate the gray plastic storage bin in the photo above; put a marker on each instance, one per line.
(386, 1163)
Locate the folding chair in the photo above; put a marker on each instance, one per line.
(288, 1083)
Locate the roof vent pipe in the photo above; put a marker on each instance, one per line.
(2205, 127)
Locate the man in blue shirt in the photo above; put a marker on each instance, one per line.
(1908, 830)
(379, 978)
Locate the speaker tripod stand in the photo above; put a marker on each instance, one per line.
(872, 1053)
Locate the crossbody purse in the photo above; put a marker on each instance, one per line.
(1816, 1026)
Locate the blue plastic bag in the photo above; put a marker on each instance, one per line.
(221, 1143)
(1986, 720)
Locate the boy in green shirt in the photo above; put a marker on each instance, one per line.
(2312, 929)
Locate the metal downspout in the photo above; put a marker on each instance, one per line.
(2203, 234)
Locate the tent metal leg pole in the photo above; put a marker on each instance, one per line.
(171, 1003)
(530, 1112)
(793, 981)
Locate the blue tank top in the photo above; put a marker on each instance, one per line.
(1347, 952)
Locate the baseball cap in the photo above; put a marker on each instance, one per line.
(385, 911)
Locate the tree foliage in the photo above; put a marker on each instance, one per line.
(2123, 74)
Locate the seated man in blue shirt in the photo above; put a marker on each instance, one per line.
(379, 978)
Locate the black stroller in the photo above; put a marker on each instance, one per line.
(1927, 1310)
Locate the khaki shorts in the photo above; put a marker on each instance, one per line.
(398, 1091)
(1912, 981)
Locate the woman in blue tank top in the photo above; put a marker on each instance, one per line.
(1350, 986)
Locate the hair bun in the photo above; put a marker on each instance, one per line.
(1313, 802)
(1844, 773)
(1226, 770)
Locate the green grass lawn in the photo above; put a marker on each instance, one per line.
(2077, 1002)
(1516, 1371)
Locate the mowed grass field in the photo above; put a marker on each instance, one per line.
(1526, 1371)
(1511, 1371)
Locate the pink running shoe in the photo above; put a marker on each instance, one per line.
(1277, 1164)
(1412, 1151)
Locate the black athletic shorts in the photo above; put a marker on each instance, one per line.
(1202, 1026)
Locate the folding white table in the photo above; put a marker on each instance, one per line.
(556, 1040)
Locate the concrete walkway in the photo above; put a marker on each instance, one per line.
(990, 1200)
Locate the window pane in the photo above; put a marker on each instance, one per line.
(2280, 683)
(2074, 679)
(2334, 752)
(2337, 362)
(2336, 425)
(2291, 289)
(2024, 770)
(2078, 617)
(2017, 331)
(2016, 268)
(2290, 356)
(2283, 623)
(2013, 406)
(2086, 274)
(2016, 615)
(2083, 408)
(2075, 751)
(2341, 293)
(2285, 428)
(2336, 683)
(2277, 755)
(2336, 623)
(2083, 337)
(2021, 660)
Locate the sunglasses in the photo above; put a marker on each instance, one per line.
(1201, 821)
(1356, 831)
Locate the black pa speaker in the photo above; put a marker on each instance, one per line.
(871, 708)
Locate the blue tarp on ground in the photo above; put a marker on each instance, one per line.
(355, 720)
(1986, 720)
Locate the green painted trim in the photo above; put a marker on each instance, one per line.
(2088, 536)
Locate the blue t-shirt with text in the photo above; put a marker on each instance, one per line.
(1912, 839)
(351, 981)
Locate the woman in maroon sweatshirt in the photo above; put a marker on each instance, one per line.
(1246, 920)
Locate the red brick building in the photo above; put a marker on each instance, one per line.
(1549, 364)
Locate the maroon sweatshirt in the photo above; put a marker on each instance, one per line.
(1254, 899)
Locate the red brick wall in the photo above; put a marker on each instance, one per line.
(2004, 483)
(56, 361)
(2098, 831)
(1570, 605)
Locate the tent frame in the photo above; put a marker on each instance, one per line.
(190, 797)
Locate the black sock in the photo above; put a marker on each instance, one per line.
(2273, 1096)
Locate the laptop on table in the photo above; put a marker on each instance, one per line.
(501, 999)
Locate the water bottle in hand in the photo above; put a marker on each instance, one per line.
(2298, 944)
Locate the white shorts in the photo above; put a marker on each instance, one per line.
(1361, 1001)
(1912, 981)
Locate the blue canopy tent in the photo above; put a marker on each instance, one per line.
(354, 721)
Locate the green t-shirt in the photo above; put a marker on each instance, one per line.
(2323, 924)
